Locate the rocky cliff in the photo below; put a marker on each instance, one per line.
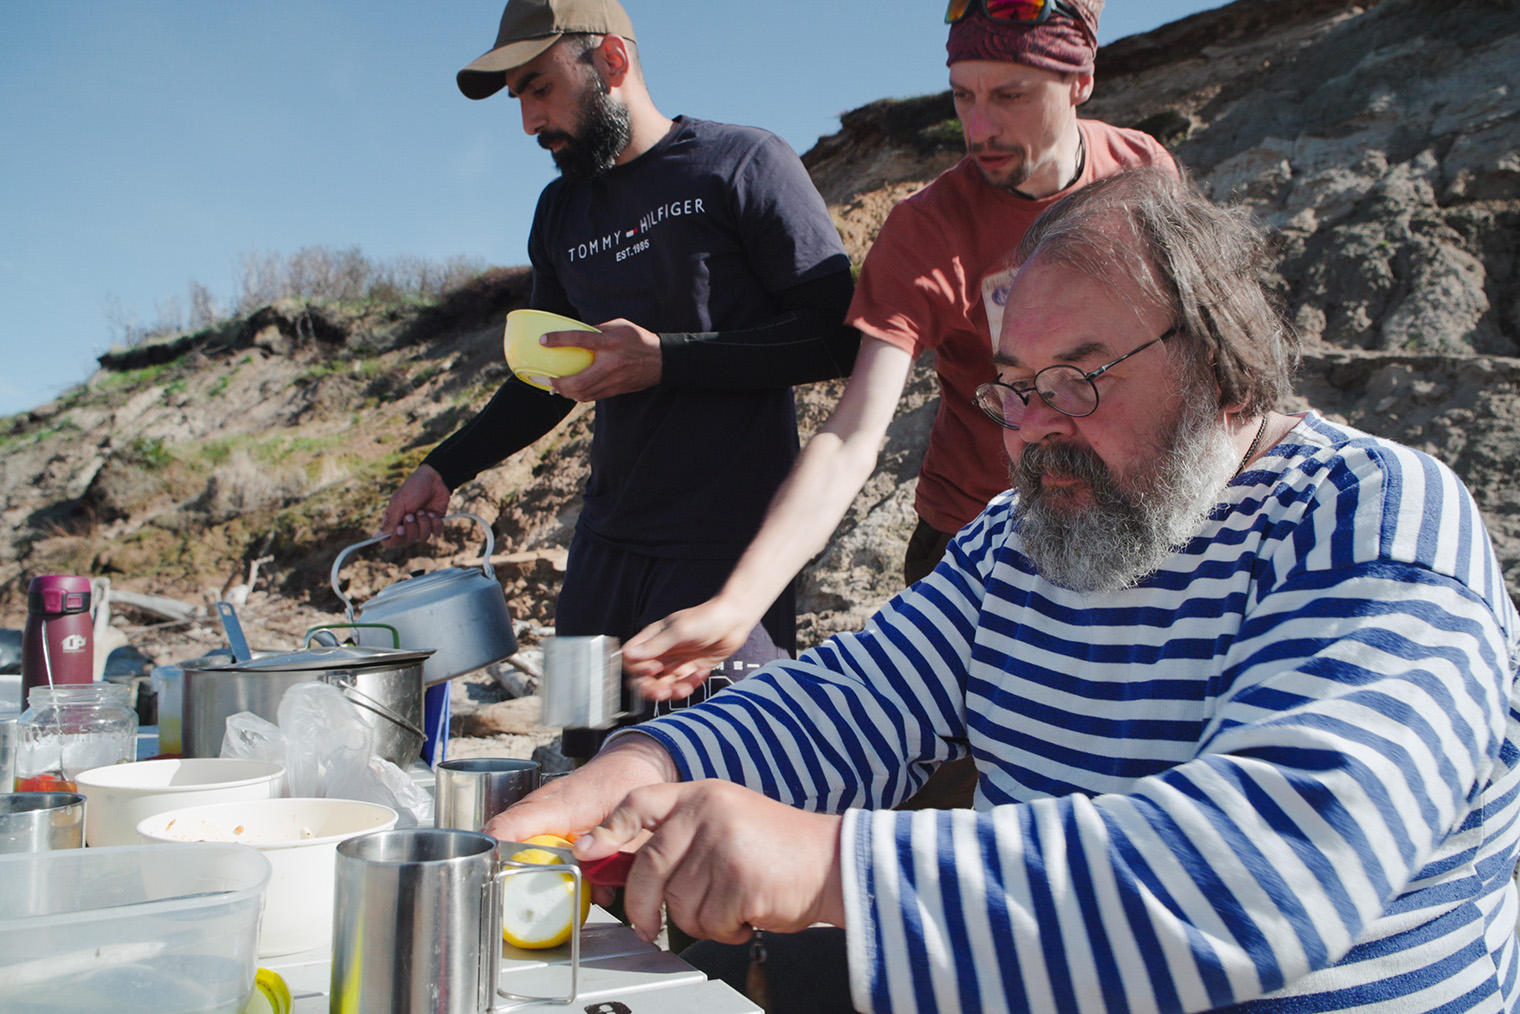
(1379, 141)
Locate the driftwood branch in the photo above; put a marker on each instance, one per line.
(156, 605)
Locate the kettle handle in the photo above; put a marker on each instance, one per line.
(487, 547)
(311, 632)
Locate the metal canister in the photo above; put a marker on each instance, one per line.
(41, 821)
(582, 684)
(384, 684)
(10, 736)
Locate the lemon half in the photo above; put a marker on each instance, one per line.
(537, 909)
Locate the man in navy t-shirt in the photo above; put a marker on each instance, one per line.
(707, 259)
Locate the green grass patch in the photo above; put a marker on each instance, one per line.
(945, 132)
(315, 373)
(62, 426)
(279, 449)
(127, 380)
(364, 367)
(211, 453)
(148, 453)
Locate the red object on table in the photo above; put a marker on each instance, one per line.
(45, 783)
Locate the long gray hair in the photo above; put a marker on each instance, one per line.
(1203, 260)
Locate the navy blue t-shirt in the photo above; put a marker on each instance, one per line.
(696, 234)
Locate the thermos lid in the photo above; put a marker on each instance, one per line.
(58, 594)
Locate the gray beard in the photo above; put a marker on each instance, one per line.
(1123, 535)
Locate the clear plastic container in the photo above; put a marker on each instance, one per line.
(70, 728)
(140, 929)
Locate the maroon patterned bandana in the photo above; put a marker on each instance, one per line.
(1060, 44)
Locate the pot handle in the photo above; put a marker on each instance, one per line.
(487, 547)
(345, 683)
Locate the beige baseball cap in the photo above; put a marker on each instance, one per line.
(530, 27)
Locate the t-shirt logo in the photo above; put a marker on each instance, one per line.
(995, 289)
(621, 240)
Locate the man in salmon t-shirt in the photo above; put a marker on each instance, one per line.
(933, 281)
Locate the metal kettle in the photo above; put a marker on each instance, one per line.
(459, 613)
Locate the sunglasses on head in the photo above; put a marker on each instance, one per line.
(1022, 12)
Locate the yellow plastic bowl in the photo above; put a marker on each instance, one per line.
(533, 363)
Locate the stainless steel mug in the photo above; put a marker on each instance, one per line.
(469, 791)
(41, 821)
(9, 736)
(583, 682)
(417, 923)
(414, 927)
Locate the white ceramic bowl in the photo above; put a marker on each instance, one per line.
(121, 796)
(300, 839)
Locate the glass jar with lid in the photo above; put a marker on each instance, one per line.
(70, 728)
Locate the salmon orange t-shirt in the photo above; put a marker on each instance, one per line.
(927, 283)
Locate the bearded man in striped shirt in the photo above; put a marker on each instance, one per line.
(1239, 686)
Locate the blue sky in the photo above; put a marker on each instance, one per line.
(149, 143)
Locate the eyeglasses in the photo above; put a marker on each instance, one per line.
(1064, 388)
(1024, 12)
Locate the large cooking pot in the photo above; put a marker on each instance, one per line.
(458, 613)
(384, 684)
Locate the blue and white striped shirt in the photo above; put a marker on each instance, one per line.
(1279, 775)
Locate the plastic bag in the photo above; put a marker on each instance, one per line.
(249, 737)
(327, 743)
(328, 751)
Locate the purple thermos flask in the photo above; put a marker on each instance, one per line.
(57, 608)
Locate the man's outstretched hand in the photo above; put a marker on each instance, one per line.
(725, 860)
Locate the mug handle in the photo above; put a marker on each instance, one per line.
(493, 920)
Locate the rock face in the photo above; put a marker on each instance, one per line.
(1379, 141)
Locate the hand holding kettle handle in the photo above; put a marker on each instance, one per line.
(486, 549)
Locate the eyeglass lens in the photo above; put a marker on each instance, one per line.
(1000, 10)
(1064, 388)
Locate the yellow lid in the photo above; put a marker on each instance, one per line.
(533, 363)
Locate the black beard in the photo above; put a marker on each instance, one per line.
(1016, 179)
(1123, 535)
(604, 131)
